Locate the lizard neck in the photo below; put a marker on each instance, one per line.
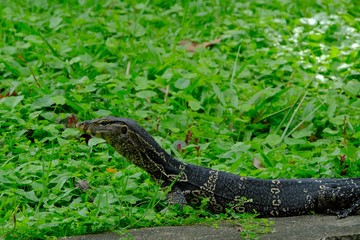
(151, 157)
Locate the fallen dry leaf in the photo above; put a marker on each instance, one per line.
(8, 94)
(239, 228)
(257, 164)
(71, 121)
(111, 170)
(82, 185)
(191, 46)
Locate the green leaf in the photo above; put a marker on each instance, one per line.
(142, 83)
(45, 101)
(54, 62)
(130, 199)
(51, 116)
(136, 29)
(34, 114)
(356, 135)
(351, 151)
(11, 101)
(58, 100)
(294, 141)
(168, 74)
(29, 195)
(219, 94)
(352, 88)
(34, 39)
(69, 132)
(240, 147)
(272, 140)
(356, 104)
(330, 131)
(234, 99)
(75, 60)
(95, 141)
(89, 88)
(62, 141)
(194, 105)
(55, 21)
(146, 94)
(304, 132)
(83, 212)
(103, 113)
(4, 180)
(182, 83)
(112, 43)
(338, 120)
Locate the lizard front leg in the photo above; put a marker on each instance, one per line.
(345, 212)
(175, 196)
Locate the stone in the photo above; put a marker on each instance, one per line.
(308, 227)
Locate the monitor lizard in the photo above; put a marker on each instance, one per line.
(189, 183)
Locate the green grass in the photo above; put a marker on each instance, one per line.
(282, 87)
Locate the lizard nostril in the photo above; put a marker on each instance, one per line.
(80, 125)
(124, 130)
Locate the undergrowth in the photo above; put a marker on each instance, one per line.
(276, 95)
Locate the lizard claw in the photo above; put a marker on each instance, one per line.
(343, 214)
(340, 214)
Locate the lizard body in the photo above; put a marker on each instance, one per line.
(279, 197)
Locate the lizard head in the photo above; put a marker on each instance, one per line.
(108, 128)
(129, 139)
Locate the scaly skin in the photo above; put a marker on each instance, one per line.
(281, 197)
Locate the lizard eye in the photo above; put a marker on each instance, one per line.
(105, 123)
(124, 130)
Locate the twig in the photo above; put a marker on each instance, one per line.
(305, 119)
(293, 116)
(234, 68)
(344, 131)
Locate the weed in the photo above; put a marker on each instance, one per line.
(281, 87)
